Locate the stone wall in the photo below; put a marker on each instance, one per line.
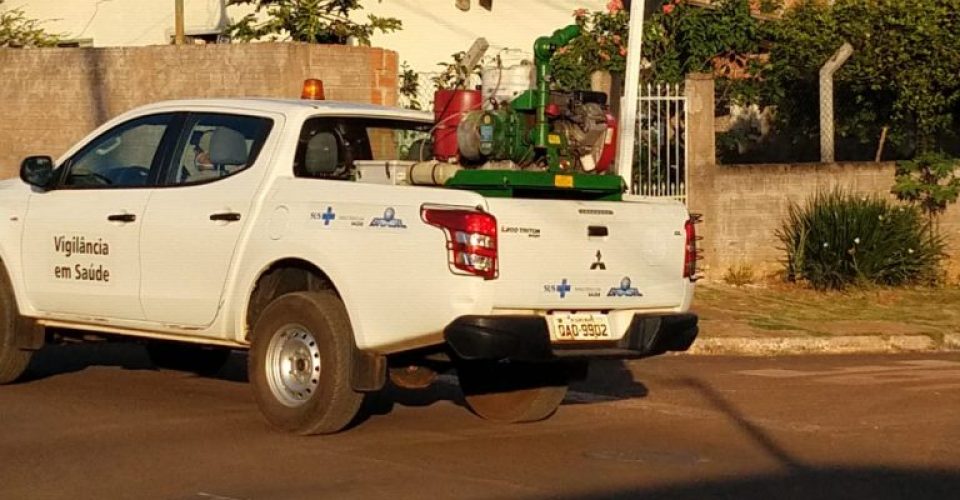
(51, 98)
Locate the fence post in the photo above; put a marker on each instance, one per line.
(701, 150)
(827, 152)
(701, 137)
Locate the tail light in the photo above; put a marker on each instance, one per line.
(690, 251)
(471, 239)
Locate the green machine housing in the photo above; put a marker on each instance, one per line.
(523, 133)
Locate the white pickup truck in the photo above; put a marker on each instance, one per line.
(206, 226)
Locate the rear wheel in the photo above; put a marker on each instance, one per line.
(201, 360)
(301, 362)
(13, 360)
(513, 392)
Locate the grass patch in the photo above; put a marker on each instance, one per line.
(793, 307)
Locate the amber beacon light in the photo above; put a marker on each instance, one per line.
(312, 89)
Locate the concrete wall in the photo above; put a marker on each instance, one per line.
(50, 98)
(744, 205)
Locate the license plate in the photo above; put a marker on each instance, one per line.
(580, 327)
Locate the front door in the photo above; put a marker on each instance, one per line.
(194, 219)
(81, 240)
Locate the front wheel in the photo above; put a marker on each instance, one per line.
(513, 392)
(13, 360)
(301, 362)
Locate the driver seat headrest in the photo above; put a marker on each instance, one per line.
(228, 147)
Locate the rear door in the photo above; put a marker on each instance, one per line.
(573, 255)
(196, 216)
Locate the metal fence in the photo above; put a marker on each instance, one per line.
(661, 139)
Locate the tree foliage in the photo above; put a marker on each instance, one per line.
(312, 21)
(18, 30)
(602, 45)
(930, 182)
(683, 38)
(904, 74)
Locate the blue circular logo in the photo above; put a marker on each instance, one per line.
(625, 283)
(388, 214)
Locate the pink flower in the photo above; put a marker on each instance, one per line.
(623, 51)
(580, 13)
(668, 8)
(614, 6)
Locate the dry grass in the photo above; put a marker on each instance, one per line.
(782, 307)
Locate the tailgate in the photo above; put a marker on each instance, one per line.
(589, 255)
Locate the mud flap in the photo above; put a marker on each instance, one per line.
(369, 372)
(28, 334)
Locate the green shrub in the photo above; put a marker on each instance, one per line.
(838, 239)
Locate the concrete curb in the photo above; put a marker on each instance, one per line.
(848, 344)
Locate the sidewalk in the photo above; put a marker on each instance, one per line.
(781, 319)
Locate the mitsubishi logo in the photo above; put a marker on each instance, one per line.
(598, 265)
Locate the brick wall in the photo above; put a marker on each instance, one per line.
(53, 97)
(744, 205)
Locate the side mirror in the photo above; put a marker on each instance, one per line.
(37, 171)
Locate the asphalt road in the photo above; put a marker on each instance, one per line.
(97, 421)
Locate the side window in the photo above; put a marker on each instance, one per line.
(320, 151)
(330, 146)
(214, 146)
(122, 157)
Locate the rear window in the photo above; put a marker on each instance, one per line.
(329, 146)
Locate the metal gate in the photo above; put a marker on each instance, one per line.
(661, 139)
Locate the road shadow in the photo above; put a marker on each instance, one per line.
(824, 483)
(606, 381)
(56, 360)
(798, 480)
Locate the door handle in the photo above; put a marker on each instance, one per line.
(225, 216)
(121, 217)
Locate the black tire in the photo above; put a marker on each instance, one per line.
(513, 392)
(197, 359)
(13, 360)
(309, 333)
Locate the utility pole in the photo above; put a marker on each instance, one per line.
(179, 38)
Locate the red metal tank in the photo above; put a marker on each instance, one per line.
(449, 106)
(609, 150)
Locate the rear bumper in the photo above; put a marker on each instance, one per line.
(527, 338)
